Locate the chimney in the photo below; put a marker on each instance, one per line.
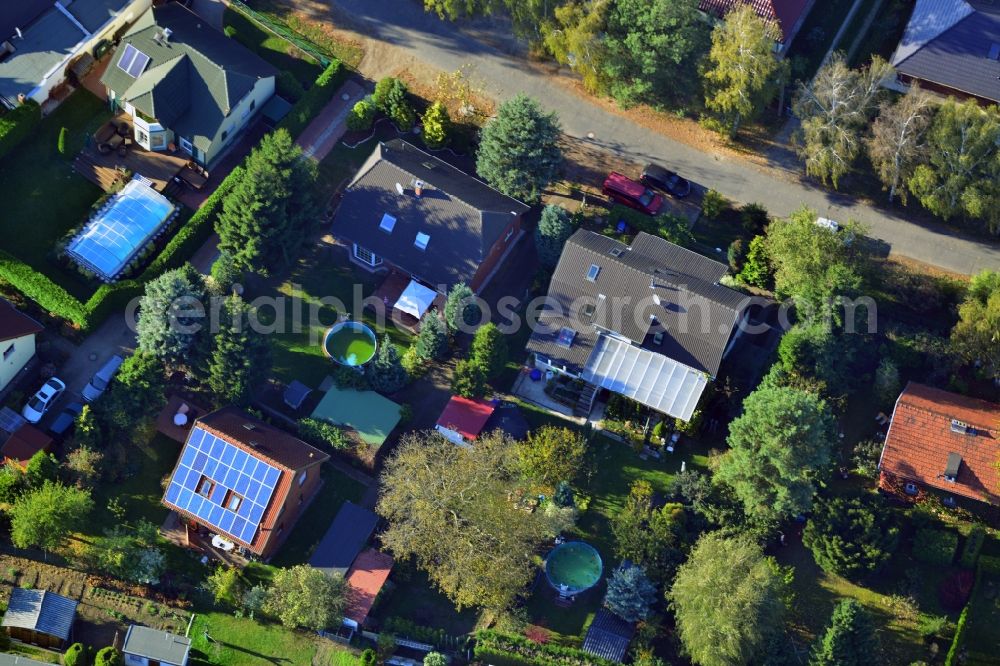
(418, 188)
(20, 35)
(166, 35)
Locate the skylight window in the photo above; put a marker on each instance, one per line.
(994, 51)
(133, 61)
(566, 337)
(616, 252)
(592, 273)
(388, 223)
(421, 241)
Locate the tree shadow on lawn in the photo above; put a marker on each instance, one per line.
(817, 592)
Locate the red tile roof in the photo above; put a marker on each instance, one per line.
(466, 417)
(26, 442)
(14, 323)
(786, 12)
(364, 581)
(920, 439)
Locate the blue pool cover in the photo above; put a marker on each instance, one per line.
(113, 237)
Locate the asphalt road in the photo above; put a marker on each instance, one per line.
(424, 37)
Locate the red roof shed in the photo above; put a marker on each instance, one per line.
(466, 416)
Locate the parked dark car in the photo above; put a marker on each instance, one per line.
(665, 180)
(63, 423)
(628, 192)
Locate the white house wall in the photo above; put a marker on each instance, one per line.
(240, 116)
(24, 350)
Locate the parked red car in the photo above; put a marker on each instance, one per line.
(629, 193)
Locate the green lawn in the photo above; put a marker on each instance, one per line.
(43, 197)
(323, 284)
(274, 49)
(244, 642)
(310, 528)
(140, 491)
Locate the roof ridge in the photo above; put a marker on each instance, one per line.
(257, 453)
(944, 413)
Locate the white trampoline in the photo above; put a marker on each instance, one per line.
(416, 299)
(647, 377)
(121, 229)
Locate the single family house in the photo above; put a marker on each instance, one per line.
(184, 83)
(40, 40)
(789, 15)
(409, 211)
(244, 481)
(649, 321)
(152, 647)
(945, 442)
(952, 47)
(17, 342)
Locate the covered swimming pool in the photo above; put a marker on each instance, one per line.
(121, 229)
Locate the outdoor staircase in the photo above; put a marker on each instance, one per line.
(102, 176)
(585, 402)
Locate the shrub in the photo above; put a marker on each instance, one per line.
(362, 116)
(17, 125)
(932, 625)
(956, 589)
(850, 537)
(935, 546)
(956, 643)
(497, 648)
(736, 255)
(314, 99)
(437, 125)
(754, 218)
(321, 433)
(76, 655)
(288, 86)
(108, 656)
(757, 269)
(230, 32)
(713, 204)
(61, 142)
(973, 544)
(391, 99)
(989, 564)
(368, 657)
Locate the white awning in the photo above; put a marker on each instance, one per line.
(647, 377)
(415, 299)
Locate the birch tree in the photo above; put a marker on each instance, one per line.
(898, 141)
(744, 73)
(834, 110)
(960, 176)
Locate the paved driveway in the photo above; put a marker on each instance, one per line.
(423, 37)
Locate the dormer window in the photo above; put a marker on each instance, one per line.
(592, 273)
(588, 310)
(952, 467)
(387, 224)
(616, 252)
(421, 241)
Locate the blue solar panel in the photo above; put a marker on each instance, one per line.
(121, 230)
(231, 470)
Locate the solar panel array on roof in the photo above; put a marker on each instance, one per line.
(133, 61)
(113, 237)
(222, 485)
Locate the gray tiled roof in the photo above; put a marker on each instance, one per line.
(949, 43)
(7, 659)
(463, 216)
(608, 636)
(193, 79)
(650, 278)
(40, 610)
(156, 645)
(48, 37)
(348, 534)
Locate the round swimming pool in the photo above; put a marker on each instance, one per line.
(573, 567)
(350, 343)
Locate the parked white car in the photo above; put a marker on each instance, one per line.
(43, 400)
(98, 384)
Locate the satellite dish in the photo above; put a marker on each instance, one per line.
(399, 189)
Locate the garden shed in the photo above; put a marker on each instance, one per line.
(40, 617)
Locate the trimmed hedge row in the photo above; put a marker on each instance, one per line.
(973, 544)
(314, 99)
(508, 650)
(17, 125)
(963, 620)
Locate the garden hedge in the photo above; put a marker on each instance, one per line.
(935, 546)
(314, 99)
(989, 564)
(17, 125)
(508, 650)
(956, 642)
(973, 544)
